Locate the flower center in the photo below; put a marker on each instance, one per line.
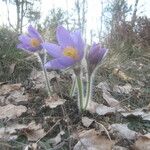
(35, 42)
(71, 52)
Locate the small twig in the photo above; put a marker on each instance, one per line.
(49, 130)
(105, 130)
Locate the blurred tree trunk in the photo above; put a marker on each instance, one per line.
(81, 9)
(77, 4)
(67, 15)
(18, 17)
(23, 9)
(134, 13)
(101, 22)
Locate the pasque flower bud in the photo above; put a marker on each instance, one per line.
(95, 56)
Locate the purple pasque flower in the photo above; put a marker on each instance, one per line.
(69, 51)
(95, 56)
(31, 41)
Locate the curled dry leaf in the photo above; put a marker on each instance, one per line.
(122, 131)
(8, 132)
(12, 93)
(143, 143)
(54, 141)
(7, 88)
(34, 131)
(120, 74)
(103, 86)
(138, 112)
(37, 77)
(12, 111)
(90, 140)
(33, 146)
(126, 89)
(87, 121)
(101, 109)
(104, 110)
(119, 148)
(107, 96)
(92, 107)
(54, 101)
(110, 100)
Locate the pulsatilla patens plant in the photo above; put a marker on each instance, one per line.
(68, 53)
(32, 43)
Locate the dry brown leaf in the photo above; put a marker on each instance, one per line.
(7, 88)
(39, 80)
(54, 141)
(147, 136)
(126, 89)
(92, 107)
(143, 143)
(101, 109)
(138, 112)
(110, 100)
(103, 86)
(119, 148)
(54, 101)
(104, 110)
(33, 146)
(90, 140)
(107, 96)
(12, 93)
(16, 97)
(120, 74)
(11, 111)
(8, 132)
(34, 131)
(122, 131)
(87, 121)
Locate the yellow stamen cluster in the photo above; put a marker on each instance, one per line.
(35, 42)
(71, 52)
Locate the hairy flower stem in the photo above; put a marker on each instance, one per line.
(80, 92)
(73, 87)
(88, 91)
(45, 75)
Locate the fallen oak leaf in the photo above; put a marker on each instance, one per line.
(120, 74)
(104, 110)
(142, 143)
(11, 111)
(8, 133)
(138, 112)
(90, 140)
(56, 140)
(119, 148)
(122, 131)
(12, 93)
(7, 88)
(87, 121)
(110, 100)
(54, 101)
(39, 81)
(33, 131)
(106, 94)
(103, 86)
(101, 109)
(126, 89)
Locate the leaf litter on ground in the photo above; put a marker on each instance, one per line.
(91, 140)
